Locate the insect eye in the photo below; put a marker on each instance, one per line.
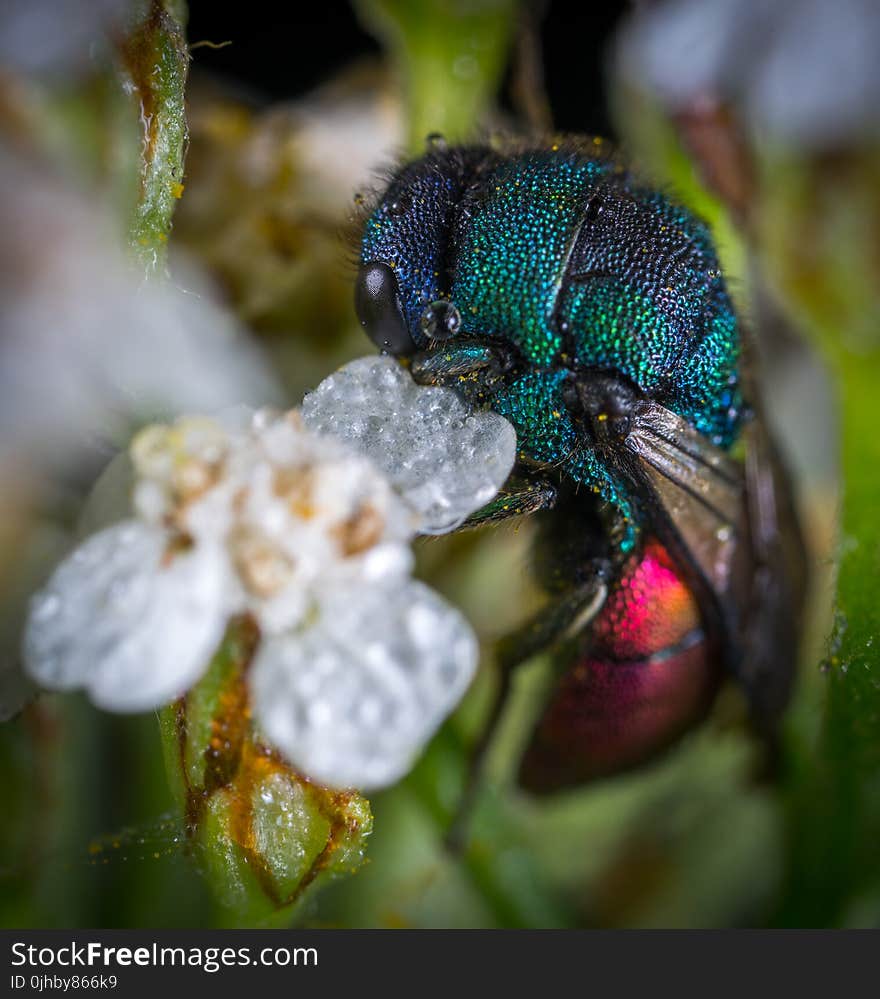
(377, 302)
(594, 208)
(440, 321)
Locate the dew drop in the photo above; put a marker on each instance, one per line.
(440, 321)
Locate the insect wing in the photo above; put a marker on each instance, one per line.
(779, 582)
(697, 501)
(734, 525)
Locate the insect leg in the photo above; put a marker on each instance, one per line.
(559, 621)
(451, 363)
(517, 499)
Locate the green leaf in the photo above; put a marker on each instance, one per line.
(819, 223)
(835, 795)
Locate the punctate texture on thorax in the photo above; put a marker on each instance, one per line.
(562, 254)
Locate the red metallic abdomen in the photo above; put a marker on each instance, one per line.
(642, 677)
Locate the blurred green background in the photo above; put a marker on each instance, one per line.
(247, 158)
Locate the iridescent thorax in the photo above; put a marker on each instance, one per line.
(562, 257)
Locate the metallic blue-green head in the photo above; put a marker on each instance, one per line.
(402, 291)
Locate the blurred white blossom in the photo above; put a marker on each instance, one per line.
(87, 347)
(58, 37)
(358, 663)
(803, 71)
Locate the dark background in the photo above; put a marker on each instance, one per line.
(282, 50)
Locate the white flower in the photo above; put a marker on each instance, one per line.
(358, 663)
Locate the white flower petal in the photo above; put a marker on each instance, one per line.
(446, 461)
(118, 621)
(352, 700)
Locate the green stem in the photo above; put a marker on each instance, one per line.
(155, 62)
(449, 56)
